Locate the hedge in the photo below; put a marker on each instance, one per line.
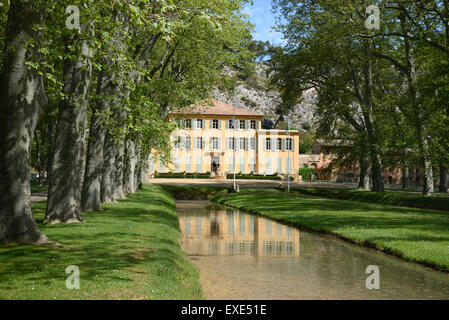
(388, 198)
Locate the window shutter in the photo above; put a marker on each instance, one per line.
(194, 124)
(211, 143)
(219, 144)
(246, 144)
(227, 124)
(283, 144)
(227, 144)
(211, 124)
(203, 124)
(203, 144)
(247, 124)
(237, 124)
(293, 145)
(265, 144)
(237, 144)
(257, 124)
(219, 124)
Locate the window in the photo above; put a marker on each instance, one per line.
(199, 143)
(253, 144)
(230, 124)
(231, 143)
(279, 144)
(242, 124)
(214, 124)
(241, 223)
(242, 144)
(289, 144)
(199, 123)
(188, 123)
(252, 164)
(214, 144)
(253, 124)
(188, 145)
(268, 144)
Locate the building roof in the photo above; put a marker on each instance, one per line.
(217, 108)
(334, 143)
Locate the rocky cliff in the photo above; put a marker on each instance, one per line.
(253, 93)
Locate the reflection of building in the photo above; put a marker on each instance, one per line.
(208, 140)
(233, 233)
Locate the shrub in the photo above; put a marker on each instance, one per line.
(304, 172)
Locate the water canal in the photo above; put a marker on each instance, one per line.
(243, 256)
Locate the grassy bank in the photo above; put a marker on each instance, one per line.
(128, 251)
(416, 235)
(390, 198)
(194, 192)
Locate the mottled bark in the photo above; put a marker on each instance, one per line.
(444, 179)
(107, 177)
(131, 159)
(22, 99)
(91, 192)
(118, 192)
(64, 196)
(108, 91)
(364, 181)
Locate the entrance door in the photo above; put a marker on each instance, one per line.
(214, 164)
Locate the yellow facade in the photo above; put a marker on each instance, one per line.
(202, 140)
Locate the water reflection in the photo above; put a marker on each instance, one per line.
(242, 256)
(213, 230)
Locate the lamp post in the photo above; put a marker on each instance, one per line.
(234, 146)
(289, 146)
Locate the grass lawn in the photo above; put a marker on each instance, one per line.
(417, 235)
(389, 197)
(131, 250)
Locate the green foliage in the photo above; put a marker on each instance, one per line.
(305, 172)
(182, 175)
(253, 177)
(306, 146)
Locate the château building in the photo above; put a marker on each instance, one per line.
(216, 137)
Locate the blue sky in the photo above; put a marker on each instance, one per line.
(264, 20)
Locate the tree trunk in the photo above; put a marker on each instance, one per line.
(428, 188)
(91, 193)
(444, 179)
(364, 182)
(378, 180)
(129, 184)
(64, 196)
(118, 171)
(107, 178)
(22, 99)
(107, 89)
(368, 110)
(405, 178)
